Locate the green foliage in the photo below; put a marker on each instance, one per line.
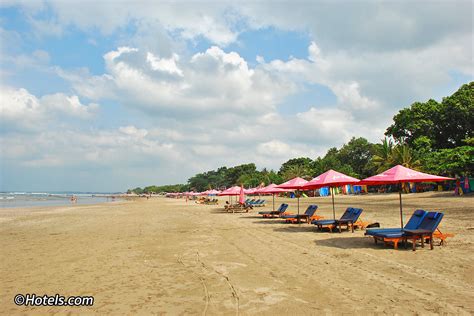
(382, 158)
(137, 190)
(296, 167)
(445, 124)
(403, 155)
(451, 161)
(357, 153)
(224, 177)
(353, 159)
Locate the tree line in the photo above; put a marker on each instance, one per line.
(434, 137)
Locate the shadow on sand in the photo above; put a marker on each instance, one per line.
(296, 228)
(357, 243)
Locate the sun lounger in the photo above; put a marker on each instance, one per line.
(258, 203)
(441, 236)
(426, 229)
(413, 223)
(212, 202)
(350, 220)
(349, 217)
(395, 235)
(279, 212)
(239, 208)
(296, 218)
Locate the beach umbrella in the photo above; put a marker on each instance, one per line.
(250, 191)
(232, 191)
(272, 189)
(330, 179)
(399, 175)
(242, 195)
(296, 184)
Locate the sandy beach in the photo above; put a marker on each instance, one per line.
(166, 256)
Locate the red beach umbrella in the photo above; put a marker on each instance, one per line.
(272, 189)
(250, 191)
(233, 191)
(330, 179)
(399, 175)
(242, 195)
(213, 192)
(230, 191)
(296, 184)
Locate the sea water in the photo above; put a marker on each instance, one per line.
(31, 199)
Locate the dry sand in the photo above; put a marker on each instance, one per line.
(166, 256)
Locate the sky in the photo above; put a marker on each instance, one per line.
(110, 95)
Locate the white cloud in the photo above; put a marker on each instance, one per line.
(133, 131)
(209, 81)
(22, 110)
(164, 64)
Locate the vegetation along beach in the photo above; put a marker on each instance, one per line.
(236, 158)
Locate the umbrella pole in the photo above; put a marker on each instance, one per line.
(401, 210)
(298, 197)
(333, 209)
(273, 201)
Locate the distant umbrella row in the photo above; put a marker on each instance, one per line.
(331, 179)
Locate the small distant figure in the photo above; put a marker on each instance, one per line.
(73, 199)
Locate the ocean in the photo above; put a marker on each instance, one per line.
(31, 199)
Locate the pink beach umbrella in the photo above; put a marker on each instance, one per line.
(233, 191)
(250, 191)
(272, 189)
(213, 192)
(242, 195)
(399, 175)
(330, 179)
(296, 184)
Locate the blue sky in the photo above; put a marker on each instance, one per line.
(104, 97)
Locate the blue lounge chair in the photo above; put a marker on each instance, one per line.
(279, 212)
(255, 202)
(259, 203)
(350, 216)
(425, 229)
(298, 217)
(351, 220)
(413, 223)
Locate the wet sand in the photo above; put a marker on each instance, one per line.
(166, 256)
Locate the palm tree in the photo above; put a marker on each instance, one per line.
(382, 158)
(403, 155)
(296, 171)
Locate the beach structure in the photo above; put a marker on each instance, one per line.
(278, 213)
(330, 179)
(272, 189)
(295, 184)
(399, 175)
(308, 215)
(348, 219)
